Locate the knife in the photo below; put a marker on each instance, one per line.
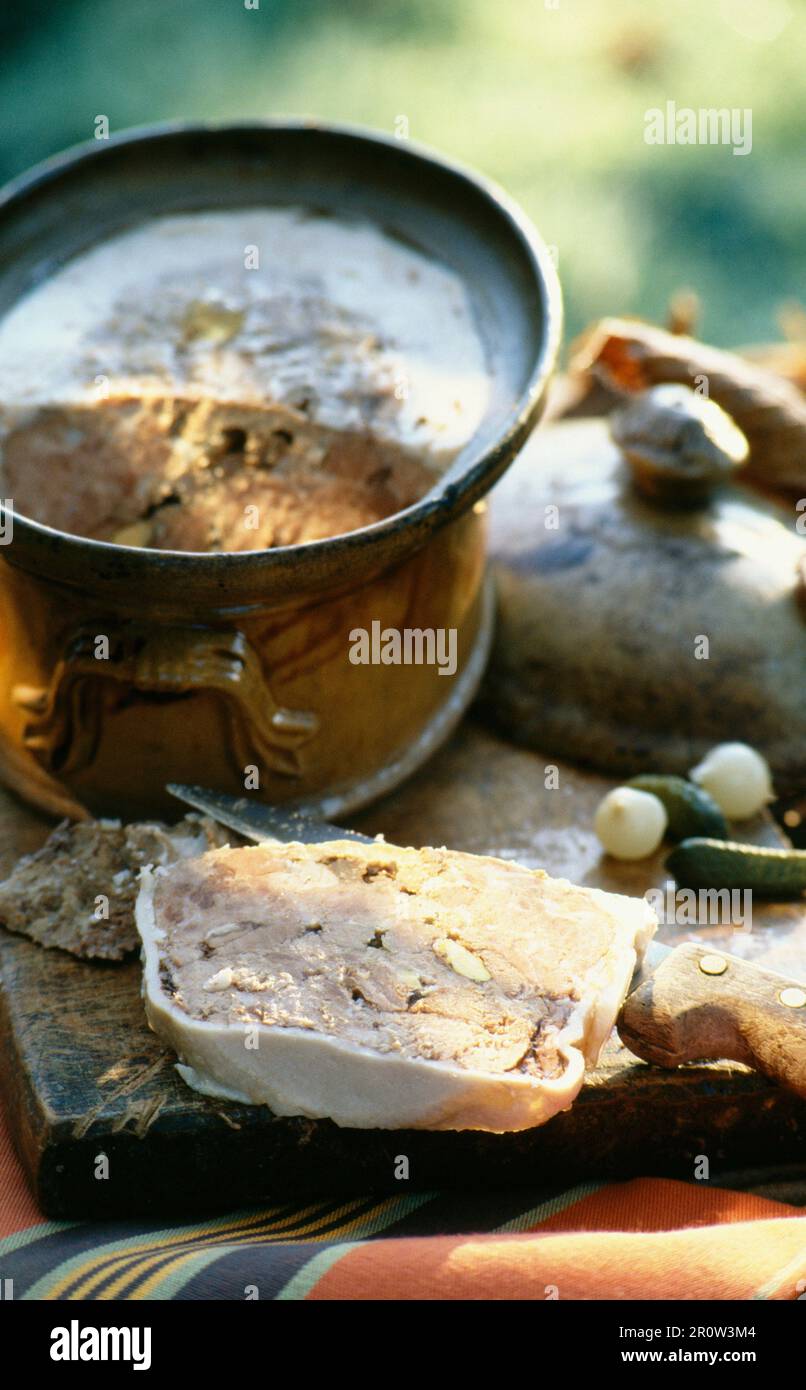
(692, 1003)
(687, 1003)
(263, 824)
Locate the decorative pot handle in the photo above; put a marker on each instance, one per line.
(68, 714)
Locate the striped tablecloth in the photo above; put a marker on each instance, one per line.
(644, 1239)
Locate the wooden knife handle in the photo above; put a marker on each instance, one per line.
(685, 1013)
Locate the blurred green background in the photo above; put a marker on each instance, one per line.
(549, 101)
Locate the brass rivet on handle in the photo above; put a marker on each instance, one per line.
(793, 998)
(713, 965)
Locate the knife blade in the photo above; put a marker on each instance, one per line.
(654, 955)
(695, 1003)
(261, 823)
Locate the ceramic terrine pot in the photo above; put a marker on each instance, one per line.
(233, 669)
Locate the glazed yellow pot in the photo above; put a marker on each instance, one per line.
(122, 669)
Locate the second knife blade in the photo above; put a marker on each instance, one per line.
(259, 822)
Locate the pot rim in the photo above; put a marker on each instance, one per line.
(471, 473)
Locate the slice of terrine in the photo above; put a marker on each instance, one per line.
(385, 987)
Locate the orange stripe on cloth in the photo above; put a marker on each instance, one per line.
(749, 1259)
(660, 1204)
(18, 1210)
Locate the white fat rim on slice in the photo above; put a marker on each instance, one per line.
(296, 1071)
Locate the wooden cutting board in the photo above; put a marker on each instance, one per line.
(84, 1077)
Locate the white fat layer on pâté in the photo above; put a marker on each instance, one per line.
(258, 304)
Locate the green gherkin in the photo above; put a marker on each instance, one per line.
(708, 863)
(690, 809)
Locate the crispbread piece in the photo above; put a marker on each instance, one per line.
(385, 987)
(51, 895)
